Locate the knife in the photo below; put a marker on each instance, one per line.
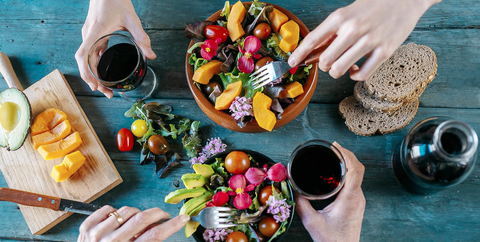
(44, 201)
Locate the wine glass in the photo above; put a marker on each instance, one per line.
(118, 64)
(316, 170)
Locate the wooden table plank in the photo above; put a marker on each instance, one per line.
(458, 55)
(168, 14)
(390, 209)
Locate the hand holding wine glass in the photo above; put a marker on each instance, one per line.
(105, 17)
(342, 219)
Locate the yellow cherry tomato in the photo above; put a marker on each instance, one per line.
(139, 127)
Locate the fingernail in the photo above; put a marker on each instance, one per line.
(336, 144)
(151, 52)
(184, 218)
(291, 61)
(109, 95)
(91, 86)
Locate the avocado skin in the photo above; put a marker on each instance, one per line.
(29, 113)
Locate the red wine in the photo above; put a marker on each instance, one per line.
(316, 170)
(121, 62)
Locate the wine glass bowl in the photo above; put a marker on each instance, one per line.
(117, 63)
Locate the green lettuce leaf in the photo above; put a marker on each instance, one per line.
(256, 8)
(196, 62)
(192, 141)
(136, 111)
(273, 45)
(219, 167)
(226, 10)
(300, 75)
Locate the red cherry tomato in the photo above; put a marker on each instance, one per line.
(237, 236)
(214, 32)
(265, 193)
(125, 140)
(268, 226)
(237, 162)
(262, 31)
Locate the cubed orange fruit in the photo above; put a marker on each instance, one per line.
(71, 163)
(60, 148)
(47, 120)
(59, 132)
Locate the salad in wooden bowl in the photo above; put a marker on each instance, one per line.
(245, 180)
(228, 47)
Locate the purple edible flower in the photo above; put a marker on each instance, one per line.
(241, 107)
(278, 208)
(213, 147)
(214, 235)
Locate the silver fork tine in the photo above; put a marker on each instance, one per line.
(225, 209)
(259, 70)
(261, 80)
(262, 84)
(263, 74)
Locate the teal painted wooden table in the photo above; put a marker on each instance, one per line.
(42, 36)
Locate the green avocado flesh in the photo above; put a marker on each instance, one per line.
(15, 118)
(176, 196)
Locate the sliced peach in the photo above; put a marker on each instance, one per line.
(47, 120)
(60, 148)
(59, 132)
(71, 163)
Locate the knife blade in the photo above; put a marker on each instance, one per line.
(44, 201)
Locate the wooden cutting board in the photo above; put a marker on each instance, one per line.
(25, 169)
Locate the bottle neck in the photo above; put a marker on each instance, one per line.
(454, 141)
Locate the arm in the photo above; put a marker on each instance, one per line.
(105, 17)
(139, 225)
(342, 219)
(371, 28)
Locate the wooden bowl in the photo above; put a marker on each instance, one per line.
(225, 120)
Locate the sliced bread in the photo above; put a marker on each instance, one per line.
(405, 75)
(370, 102)
(366, 122)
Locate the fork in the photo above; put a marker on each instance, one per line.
(216, 217)
(274, 70)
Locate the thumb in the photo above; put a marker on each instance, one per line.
(303, 207)
(143, 41)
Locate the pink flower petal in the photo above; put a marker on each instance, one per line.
(250, 187)
(252, 44)
(240, 49)
(220, 198)
(237, 181)
(206, 55)
(242, 201)
(257, 56)
(277, 173)
(231, 193)
(255, 176)
(245, 65)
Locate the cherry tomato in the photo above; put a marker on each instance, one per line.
(262, 31)
(139, 127)
(158, 145)
(208, 89)
(237, 162)
(263, 61)
(268, 226)
(237, 236)
(265, 193)
(125, 140)
(214, 32)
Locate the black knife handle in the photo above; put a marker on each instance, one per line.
(29, 199)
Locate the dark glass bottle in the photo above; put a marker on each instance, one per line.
(437, 153)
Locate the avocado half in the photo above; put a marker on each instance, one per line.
(15, 118)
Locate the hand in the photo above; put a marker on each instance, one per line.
(371, 28)
(342, 219)
(105, 17)
(138, 226)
